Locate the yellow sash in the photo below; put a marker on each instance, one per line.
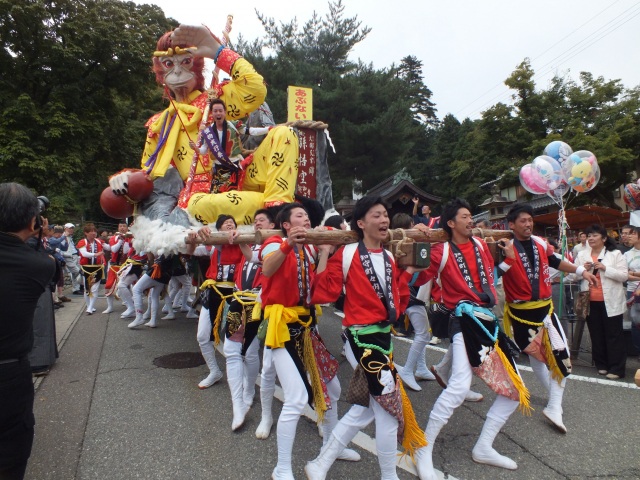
(279, 317)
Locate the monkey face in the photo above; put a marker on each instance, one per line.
(178, 74)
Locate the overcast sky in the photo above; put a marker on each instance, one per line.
(467, 47)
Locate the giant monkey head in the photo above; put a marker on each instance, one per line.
(179, 69)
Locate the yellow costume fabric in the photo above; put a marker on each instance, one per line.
(269, 180)
(279, 318)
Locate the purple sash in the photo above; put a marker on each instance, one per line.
(210, 136)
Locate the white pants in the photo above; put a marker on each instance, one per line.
(418, 318)
(358, 417)
(125, 290)
(205, 327)
(460, 383)
(295, 399)
(179, 287)
(143, 284)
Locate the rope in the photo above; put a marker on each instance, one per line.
(396, 245)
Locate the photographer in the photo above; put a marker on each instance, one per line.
(24, 274)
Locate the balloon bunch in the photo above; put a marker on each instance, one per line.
(558, 170)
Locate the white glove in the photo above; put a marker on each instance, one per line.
(119, 182)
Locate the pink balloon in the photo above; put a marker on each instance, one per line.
(532, 181)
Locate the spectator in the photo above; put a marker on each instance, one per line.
(71, 259)
(606, 301)
(425, 217)
(626, 243)
(633, 285)
(483, 224)
(58, 243)
(24, 275)
(582, 237)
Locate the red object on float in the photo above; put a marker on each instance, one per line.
(116, 206)
(139, 186)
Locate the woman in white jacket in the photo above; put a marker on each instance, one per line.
(607, 301)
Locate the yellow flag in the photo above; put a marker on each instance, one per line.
(299, 103)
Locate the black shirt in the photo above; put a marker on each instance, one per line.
(24, 275)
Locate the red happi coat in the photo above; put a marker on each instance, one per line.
(362, 307)
(225, 255)
(118, 258)
(454, 288)
(95, 247)
(257, 279)
(516, 284)
(281, 288)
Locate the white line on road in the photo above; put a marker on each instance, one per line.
(526, 368)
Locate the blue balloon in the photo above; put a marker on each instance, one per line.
(558, 150)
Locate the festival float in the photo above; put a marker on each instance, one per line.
(187, 176)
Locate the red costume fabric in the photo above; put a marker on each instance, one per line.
(94, 247)
(278, 289)
(454, 287)
(118, 258)
(517, 286)
(224, 255)
(363, 307)
(257, 279)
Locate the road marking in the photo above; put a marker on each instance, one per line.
(361, 439)
(526, 368)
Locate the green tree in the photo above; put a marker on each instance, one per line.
(410, 70)
(75, 91)
(374, 116)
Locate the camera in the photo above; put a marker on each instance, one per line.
(43, 203)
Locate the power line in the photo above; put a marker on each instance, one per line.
(541, 74)
(538, 56)
(611, 26)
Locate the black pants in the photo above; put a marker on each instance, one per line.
(16, 419)
(608, 348)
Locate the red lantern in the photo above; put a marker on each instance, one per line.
(116, 206)
(139, 186)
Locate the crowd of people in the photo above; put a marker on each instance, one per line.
(267, 294)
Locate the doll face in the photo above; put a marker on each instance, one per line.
(178, 74)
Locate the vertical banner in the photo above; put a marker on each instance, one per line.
(299, 103)
(307, 161)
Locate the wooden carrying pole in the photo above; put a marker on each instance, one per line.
(343, 237)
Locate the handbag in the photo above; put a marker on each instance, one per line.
(358, 393)
(582, 303)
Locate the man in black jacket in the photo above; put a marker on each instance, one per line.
(24, 275)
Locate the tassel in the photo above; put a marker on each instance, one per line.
(216, 323)
(91, 282)
(309, 359)
(556, 373)
(156, 272)
(523, 393)
(414, 437)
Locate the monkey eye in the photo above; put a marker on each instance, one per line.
(167, 63)
(187, 61)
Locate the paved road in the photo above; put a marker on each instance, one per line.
(106, 411)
